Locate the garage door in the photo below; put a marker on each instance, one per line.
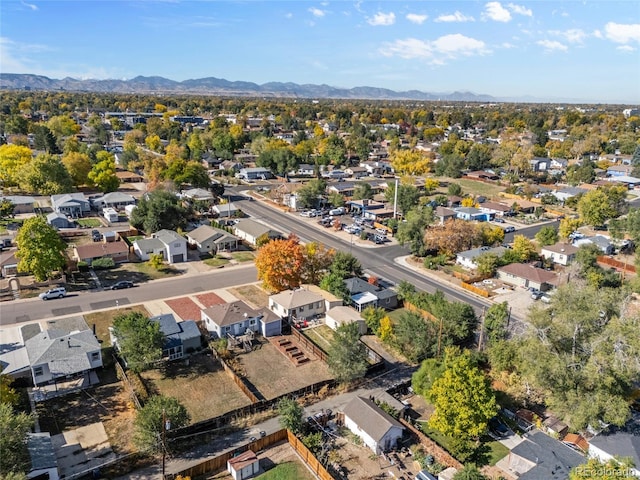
(177, 258)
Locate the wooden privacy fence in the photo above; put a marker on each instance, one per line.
(239, 382)
(220, 462)
(440, 454)
(121, 374)
(412, 308)
(624, 266)
(472, 288)
(308, 458)
(308, 344)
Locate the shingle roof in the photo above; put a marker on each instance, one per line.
(621, 442)
(296, 298)
(66, 354)
(234, 312)
(176, 333)
(41, 451)
(529, 272)
(168, 236)
(115, 197)
(146, 244)
(253, 228)
(553, 459)
(243, 460)
(370, 418)
(100, 249)
(205, 233)
(565, 248)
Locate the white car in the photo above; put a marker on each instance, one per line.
(54, 293)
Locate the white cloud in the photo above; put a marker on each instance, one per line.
(626, 48)
(507, 45)
(288, 15)
(447, 47)
(417, 18)
(455, 17)
(552, 45)
(597, 34)
(316, 12)
(382, 19)
(622, 33)
(520, 10)
(495, 11)
(30, 5)
(573, 35)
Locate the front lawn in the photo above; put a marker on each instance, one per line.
(215, 262)
(287, 471)
(243, 256)
(497, 451)
(103, 320)
(252, 294)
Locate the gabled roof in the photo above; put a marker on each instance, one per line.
(356, 285)
(168, 236)
(565, 248)
(197, 193)
(374, 421)
(295, 298)
(114, 197)
(529, 272)
(235, 312)
(175, 333)
(621, 441)
(225, 207)
(70, 198)
(205, 233)
(469, 210)
(147, 244)
(243, 460)
(497, 206)
(253, 228)
(66, 354)
(19, 199)
(95, 250)
(553, 460)
(444, 212)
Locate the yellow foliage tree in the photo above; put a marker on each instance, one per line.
(410, 162)
(78, 165)
(12, 159)
(386, 328)
(280, 264)
(468, 202)
(568, 226)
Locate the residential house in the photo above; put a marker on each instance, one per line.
(345, 189)
(68, 348)
(540, 456)
(341, 315)
(286, 194)
(482, 175)
(255, 173)
(298, 304)
(619, 442)
(228, 209)
(21, 203)
(44, 464)
(212, 240)
(377, 429)
(231, 166)
(236, 318)
(58, 220)
(526, 275)
(472, 214)
(364, 294)
(453, 201)
(560, 253)
(566, 193)
(305, 170)
(330, 300)
(444, 214)
(8, 263)
(198, 195)
(115, 200)
(117, 250)
(559, 164)
(496, 208)
(180, 338)
(468, 258)
(72, 204)
(539, 164)
(600, 241)
(128, 177)
(250, 230)
(171, 245)
(619, 170)
(626, 180)
(356, 172)
(245, 465)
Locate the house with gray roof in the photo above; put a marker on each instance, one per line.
(68, 348)
(212, 240)
(364, 294)
(468, 257)
(472, 214)
(198, 195)
(115, 200)
(600, 241)
(237, 317)
(298, 304)
(250, 230)
(21, 203)
(180, 338)
(58, 220)
(72, 204)
(44, 463)
(228, 209)
(171, 245)
(619, 442)
(565, 193)
(377, 429)
(541, 457)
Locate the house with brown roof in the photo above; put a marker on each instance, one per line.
(560, 253)
(444, 214)
(8, 263)
(128, 177)
(298, 304)
(118, 250)
(527, 275)
(497, 208)
(378, 430)
(237, 317)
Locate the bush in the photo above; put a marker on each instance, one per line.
(103, 263)
(432, 262)
(138, 386)
(83, 266)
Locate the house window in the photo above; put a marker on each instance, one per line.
(301, 309)
(38, 371)
(252, 321)
(388, 300)
(95, 356)
(227, 329)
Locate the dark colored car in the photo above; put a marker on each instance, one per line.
(96, 235)
(122, 284)
(498, 427)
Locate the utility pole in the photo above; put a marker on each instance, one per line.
(481, 336)
(166, 425)
(395, 201)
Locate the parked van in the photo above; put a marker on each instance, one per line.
(337, 211)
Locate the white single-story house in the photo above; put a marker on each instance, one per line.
(472, 213)
(113, 200)
(444, 214)
(66, 349)
(560, 253)
(344, 315)
(21, 203)
(468, 258)
(198, 195)
(298, 304)
(245, 465)
(228, 209)
(527, 275)
(250, 230)
(377, 429)
(207, 239)
(237, 317)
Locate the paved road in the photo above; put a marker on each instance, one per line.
(35, 309)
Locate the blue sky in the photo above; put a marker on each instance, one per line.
(586, 51)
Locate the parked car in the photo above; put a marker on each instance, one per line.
(96, 235)
(381, 231)
(336, 211)
(498, 427)
(308, 213)
(498, 220)
(58, 292)
(122, 284)
(509, 229)
(536, 294)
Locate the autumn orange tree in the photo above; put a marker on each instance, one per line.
(317, 259)
(452, 237)
(280, 264)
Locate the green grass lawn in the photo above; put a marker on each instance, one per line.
(441, 439)
(243, 256)
(151, 273)
(89, 222)
(321, 336)
(474, 187)
(497, 452)
(215, 262)
(287, 471)
(395, 315)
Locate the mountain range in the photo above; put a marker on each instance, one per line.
(220, 86)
